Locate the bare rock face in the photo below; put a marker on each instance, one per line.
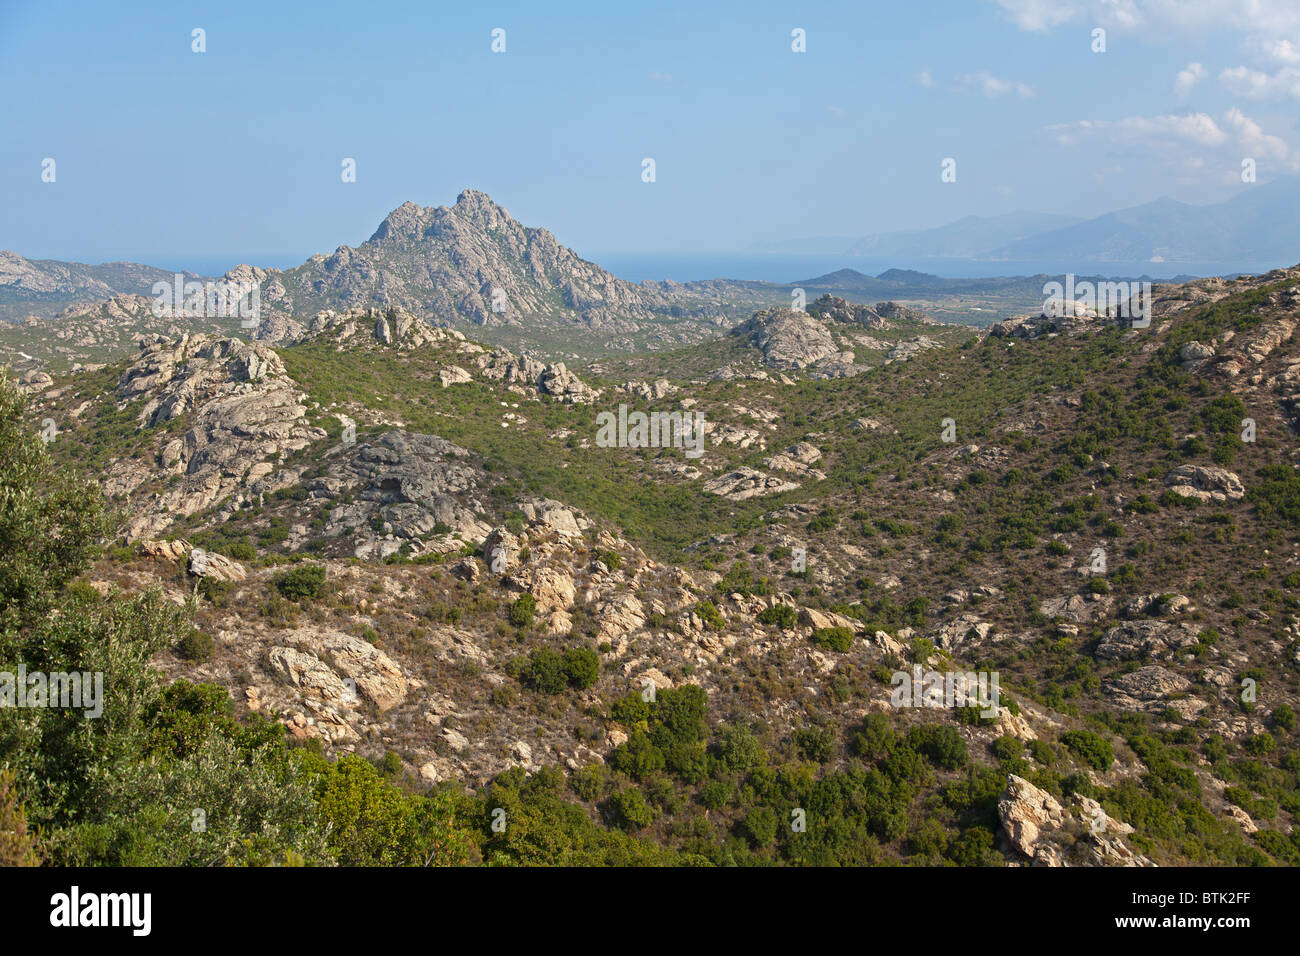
(406, 488)
(911, 348)
(619, 616)
(1139, 640)
(378, 678)
(1195, 354)
(552, 516)
(1166, 605)
(168, 550)
(200, 563)
(1152, 689)
(651, 391)
(243, 410)
(1049, 834)
(207, 564)
(558, 382)
(810, 617)
(453, 375)
(1205, 483)
(34, 381)
(1242, 818)
(1076, 607)
(308, 674)
(553, 589)
(788, 339)
(338, 669)
(539, 377)
(355, 328)
(746, 482)
(1026, 812)
(964, 628)
(501, 551)
(798, 459)
(1069, 318)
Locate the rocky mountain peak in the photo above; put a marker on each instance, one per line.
(407, 221)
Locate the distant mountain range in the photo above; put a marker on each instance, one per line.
(1261, 224)
(472, 266)
(910, 284)
(967, 238)
(46, 286)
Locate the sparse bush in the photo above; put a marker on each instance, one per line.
(196, 646)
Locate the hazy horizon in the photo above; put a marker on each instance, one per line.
(752, 141)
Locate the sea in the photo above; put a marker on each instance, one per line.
(785, 268)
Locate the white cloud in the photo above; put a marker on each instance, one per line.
(1269, 29)
(1188, 77)
(1252, 138)
(1232, 136)
(923, 78)
(991, 86)
(1266, 18)
(661, 77)
(1283, 52)
(1039, 15)
(1257, 85)
(1198, 128)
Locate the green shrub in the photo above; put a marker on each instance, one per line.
(759, 826)
(1042, 752)
(710, 615)
(833, 638)
(941, 744)
(523, 610)
(781, 615)
(549, 672)
(1095, 751)
(631, 812)
(581, 667)
(305, 582)
(196, 646)
(1284, 717)
(1006, 748)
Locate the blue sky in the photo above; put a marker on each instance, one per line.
(167, 155)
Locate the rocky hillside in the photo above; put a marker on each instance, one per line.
(45, 286)
(472, 266)
(413, 546)
(92, 334)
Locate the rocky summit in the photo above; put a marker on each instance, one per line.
(471, 266)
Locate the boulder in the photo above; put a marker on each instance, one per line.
(1139, 640)
(1205, 483)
